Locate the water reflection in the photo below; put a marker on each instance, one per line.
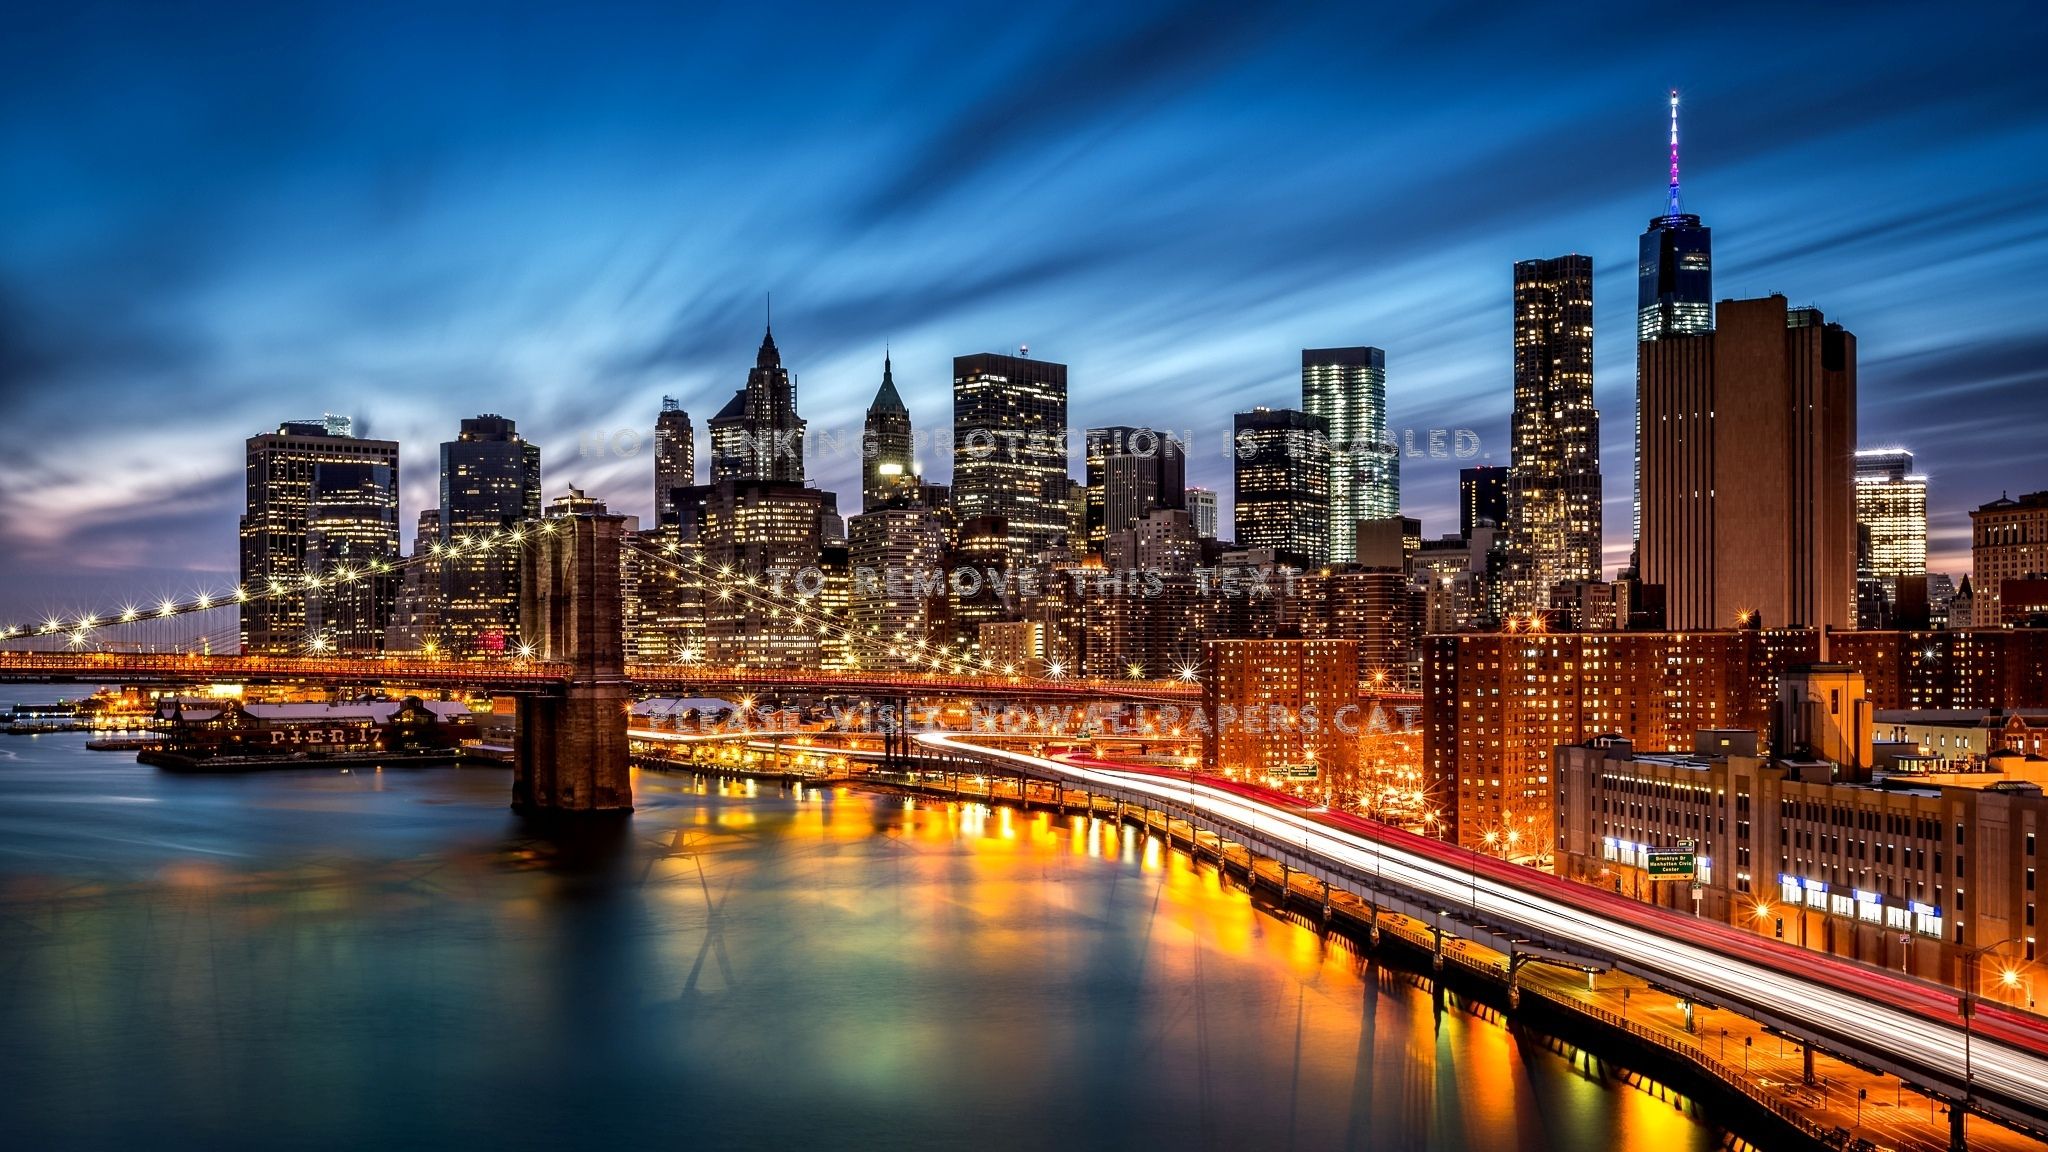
(308, 961)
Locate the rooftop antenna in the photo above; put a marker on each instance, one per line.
(769, 297)
(1672, 207)
(1024, 351)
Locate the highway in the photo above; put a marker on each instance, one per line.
(1863, 1011)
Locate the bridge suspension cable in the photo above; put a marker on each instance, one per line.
(79, 628)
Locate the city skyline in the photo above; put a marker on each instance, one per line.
(175, 288)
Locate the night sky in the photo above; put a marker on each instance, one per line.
(217, 219)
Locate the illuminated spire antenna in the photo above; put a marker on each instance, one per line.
(1672, 208)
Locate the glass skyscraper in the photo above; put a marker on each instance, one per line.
(1891, 502)
(1347, 387)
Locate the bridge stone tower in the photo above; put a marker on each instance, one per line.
(571, 754)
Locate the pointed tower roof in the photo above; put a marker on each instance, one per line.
(886, 399)
(770, 356)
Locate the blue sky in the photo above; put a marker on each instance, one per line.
(221, 217)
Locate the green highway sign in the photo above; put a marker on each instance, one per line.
(1669, 863)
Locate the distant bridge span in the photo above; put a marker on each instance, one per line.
(513, 676)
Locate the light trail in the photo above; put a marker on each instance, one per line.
(1869, 1009)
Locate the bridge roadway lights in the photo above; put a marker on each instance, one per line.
(571, 754)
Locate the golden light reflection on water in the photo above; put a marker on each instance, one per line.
(744, 967)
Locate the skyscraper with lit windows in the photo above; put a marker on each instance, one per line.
(675, 457)
(1891, 503)
(288, 505)
(1674, 286)
(1748, 468)
(1347, 388)
(888, 470)
(1010, 448)
(1283, 473)
(1554, 480)
(490, 481)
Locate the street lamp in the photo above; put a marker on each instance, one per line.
(1966, 1005)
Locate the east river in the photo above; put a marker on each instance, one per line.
(375, 960)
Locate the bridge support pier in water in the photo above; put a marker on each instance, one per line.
(571, 753)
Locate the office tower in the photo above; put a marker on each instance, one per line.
(1388, 542)
(767, 531)
(1130, 472)
(831, 525)
(1748, 485)
(982, 588)
(282, 467)
(887, 468)
(758, 435)
(2008, 541)
(1891, 522)
(1674, 285)
(1201, 504)
(1347, 388)
(1482, 495)
(1554, 479)
(897, 554)
(756, 521)
(1094, 468)
(1010, 448)
(1282, 463)
(415, 624)
(830, 594)
(1163, 541)
(490, 481)
(1891, 508)
(675, 457)
(1941, 594)
(1077, 519)
(352, 540)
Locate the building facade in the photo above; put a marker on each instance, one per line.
(764, 532)
(352, 542)
(758, 434)
(1674, 289)
(897, 554)
(1280, 708)
(1010, 448)
(1496, 704)
(1130, 472)
(888, 464)
(675, 457)
(1482, 498)
(1554, 481)
(1898, 874)
(1747, 459)
(1201, 504)
(490, 482)
(1347, 389)
(355, 510)
(1282, 476)
(2008, 541)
